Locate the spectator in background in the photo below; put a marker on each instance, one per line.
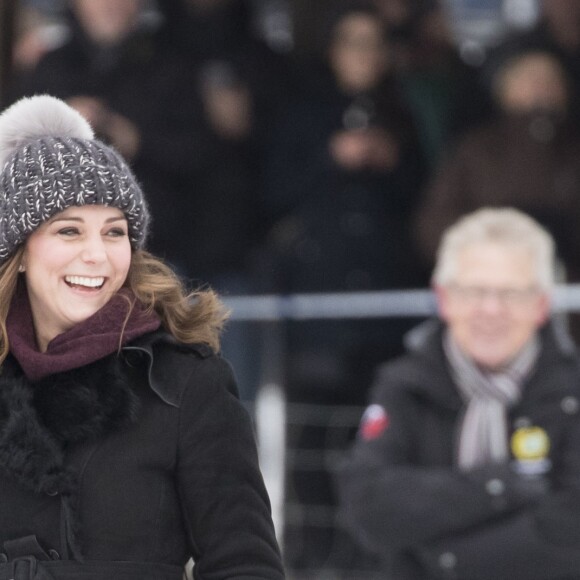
(226, 224)
(466, 462)
(399, 17)
(443, 92)
(558, 27)
(343, 168)
(223, 30)
(37, 31)
(116, 70)
(235, 81)
(527, 156)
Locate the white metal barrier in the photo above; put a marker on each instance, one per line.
(413, 302)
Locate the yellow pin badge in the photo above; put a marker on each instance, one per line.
(530, 447)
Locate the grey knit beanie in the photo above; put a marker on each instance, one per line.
(49, 161)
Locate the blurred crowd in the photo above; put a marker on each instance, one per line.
(335, 167)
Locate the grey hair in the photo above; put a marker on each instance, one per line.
(505, 226)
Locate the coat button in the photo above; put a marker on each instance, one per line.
(54, 555)
(447, 560)
(495, 487)
(570, 405)
(52, 491)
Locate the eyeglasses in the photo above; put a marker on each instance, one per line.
(506, 296)
(360, 44)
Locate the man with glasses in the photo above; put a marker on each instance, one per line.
(467, 461)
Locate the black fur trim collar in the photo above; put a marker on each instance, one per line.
(39, 421)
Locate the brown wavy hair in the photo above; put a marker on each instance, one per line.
(196, 316)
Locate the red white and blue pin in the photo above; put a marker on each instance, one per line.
(374, 422)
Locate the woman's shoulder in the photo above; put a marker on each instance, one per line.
(174, 366)
(162, 342)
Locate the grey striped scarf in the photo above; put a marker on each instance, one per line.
(483, 431)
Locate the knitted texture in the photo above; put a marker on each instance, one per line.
(49, 173)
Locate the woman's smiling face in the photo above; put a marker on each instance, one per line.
(74, 263)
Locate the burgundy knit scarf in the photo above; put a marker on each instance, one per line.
(86, 342)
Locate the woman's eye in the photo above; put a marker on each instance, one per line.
(70, 231)
(117, 232)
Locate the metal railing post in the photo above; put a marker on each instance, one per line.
(270, 418)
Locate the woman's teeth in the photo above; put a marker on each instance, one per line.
(85, 281)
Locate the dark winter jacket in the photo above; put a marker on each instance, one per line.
(126, 468)
(403, 498)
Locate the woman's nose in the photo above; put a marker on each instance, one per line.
(94, 250)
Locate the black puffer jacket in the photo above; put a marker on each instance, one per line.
(126, 468)
(403, 498)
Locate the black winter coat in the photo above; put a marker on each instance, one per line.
(403, 498)
(126, 468)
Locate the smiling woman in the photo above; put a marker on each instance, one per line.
(74, 263)
(124, 450)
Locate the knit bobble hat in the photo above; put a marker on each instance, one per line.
(50, 161)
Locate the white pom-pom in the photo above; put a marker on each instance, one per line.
(40, 116)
